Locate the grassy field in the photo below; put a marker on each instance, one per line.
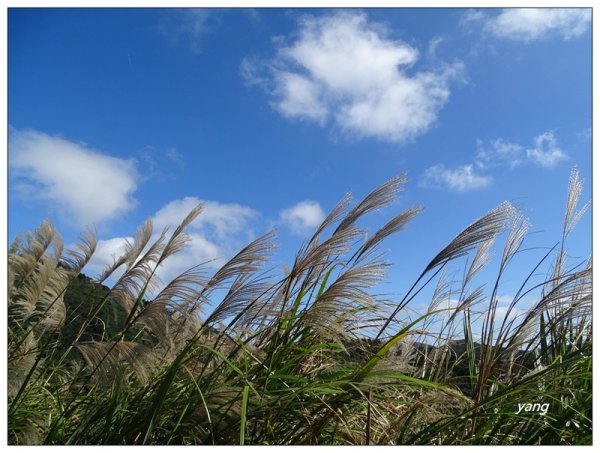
(312, 356)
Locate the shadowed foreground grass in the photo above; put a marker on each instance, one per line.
(309, 357)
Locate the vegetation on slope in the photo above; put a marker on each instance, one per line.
(285, 359)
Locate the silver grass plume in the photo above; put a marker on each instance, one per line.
(25, 256)
(519, 227)
(313, 259)
(321, 254)
(311, 249)
(109, 360)
(50, 305)
(483, 229)
(247, 261)
(142, 278)
(16, 245)
(345, 299)
(473, 298)
(392, 227)
(21, 360)
(310, 264)
(264, 308)
(34, 269)
(575, 188)
(131, 252)
(480, 260)
(377, 199)
(37, 281)
(441, 292)
(38, 305)
(179, 237)
(175, 309)
(334, 215)
(81, 253)
(518, 230)
(244, 295)
(572, 217)
(23, 301)
(138, 278)
(572, 297)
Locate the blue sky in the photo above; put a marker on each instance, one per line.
(269, 116)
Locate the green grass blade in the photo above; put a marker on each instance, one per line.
(243, 414)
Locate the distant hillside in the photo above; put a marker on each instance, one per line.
(81, 297)
(452, 355)
(84, 293)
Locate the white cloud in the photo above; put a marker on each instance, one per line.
(83, 184)
(459, 179)
(502, 313)
(448, 304)
(344, 70)
(499, 152)
(219, 232)
(219, 219)
(200, 250)
(530, 24)
(216, 234)
(106, 253)
(519, 309)
(299, 97)
(546, 151)
(505, 299)
(303, 217)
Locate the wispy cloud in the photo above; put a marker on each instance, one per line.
(460, 179)
(303, 217)
(85, 185)
(176, 157)
(188, 26)
(544, 152)
(433, 45)
(344, 70)
(498, 154)
(584, 134)
(158, 165)
(531, 24)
